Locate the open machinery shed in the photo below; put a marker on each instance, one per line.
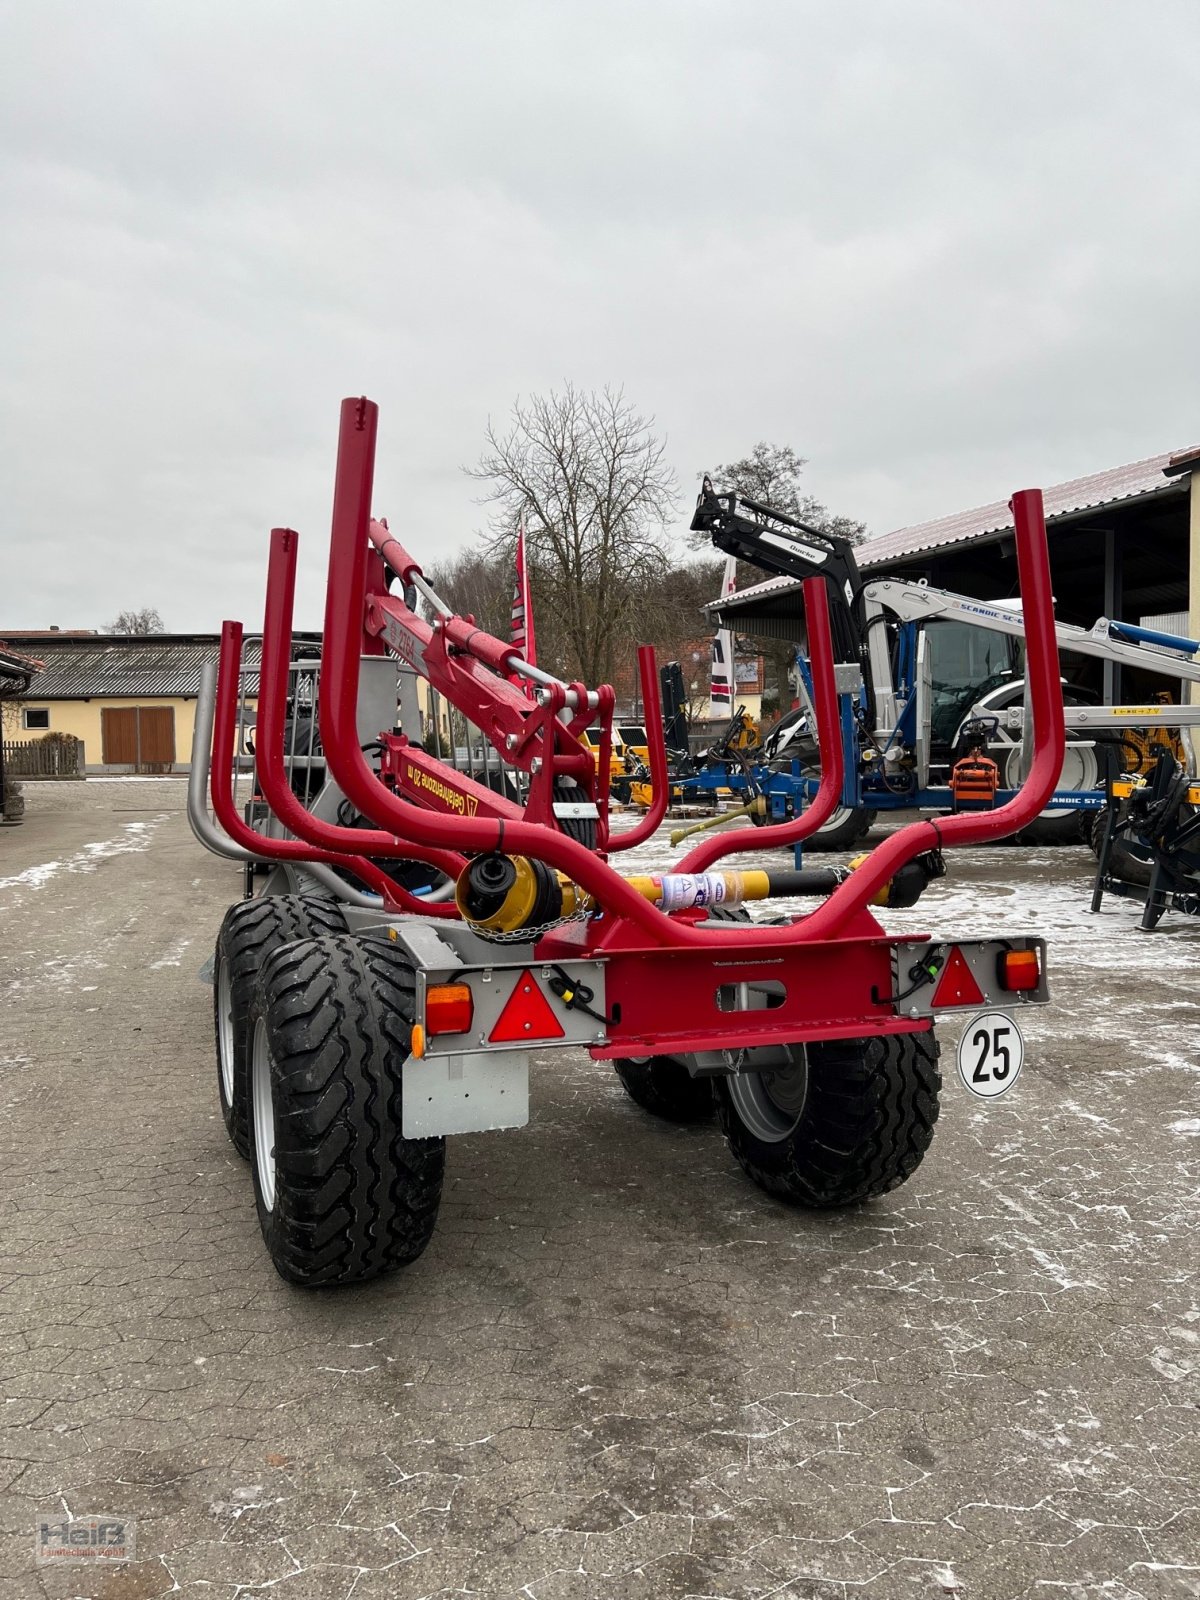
(1123, 544)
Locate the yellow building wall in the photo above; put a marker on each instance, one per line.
(81, 718)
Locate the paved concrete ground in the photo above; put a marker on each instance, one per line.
(620, 1370)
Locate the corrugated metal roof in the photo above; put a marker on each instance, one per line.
(106, 667)
(1139, 480)
(756, 590)
(1132, 482)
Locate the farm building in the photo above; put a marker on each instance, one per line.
(131, 701)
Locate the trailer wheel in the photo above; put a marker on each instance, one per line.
(252, 929)
(664, 1087)
(846, 1120)
(342, 1195)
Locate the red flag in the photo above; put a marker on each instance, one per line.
(522, 611)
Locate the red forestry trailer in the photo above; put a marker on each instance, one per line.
(421, 929)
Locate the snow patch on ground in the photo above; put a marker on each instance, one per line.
(1088, 1116)
(13, 1087)
(172, 956)
(133, 837)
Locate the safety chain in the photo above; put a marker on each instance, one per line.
(528, 935)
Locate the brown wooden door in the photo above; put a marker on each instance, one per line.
(119, 736)
(141, 737)
(156, 738)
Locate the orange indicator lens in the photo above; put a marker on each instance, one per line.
(1019, 969)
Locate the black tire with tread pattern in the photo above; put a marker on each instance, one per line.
(1122, 863)
(252, 929)
(1055, 831)
(354, 1197)
(665, 1088)
(866, 1124)
(843, 835)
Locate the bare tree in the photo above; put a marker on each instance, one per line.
(479, 584)
(771, 475)
(589, 477)
(137, 623)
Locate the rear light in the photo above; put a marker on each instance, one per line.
(1018, 969)
(449, 1008)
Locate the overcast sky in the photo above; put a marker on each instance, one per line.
(944, 250)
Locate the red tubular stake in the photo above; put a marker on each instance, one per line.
(220, 780)
(660, 786)
(1033, 567)
(829, 738)
(272, 714)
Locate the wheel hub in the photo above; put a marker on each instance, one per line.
(770, 1103)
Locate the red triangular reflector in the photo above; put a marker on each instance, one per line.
(958, 985)
(527, 1014)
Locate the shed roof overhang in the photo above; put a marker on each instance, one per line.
(17, 672)
(774, 609)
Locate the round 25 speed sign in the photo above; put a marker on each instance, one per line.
(990, 1053)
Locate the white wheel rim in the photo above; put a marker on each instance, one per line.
(1079, 771)
(770, 1104)
(264, 1115)
(840, 815)
(225, 1028)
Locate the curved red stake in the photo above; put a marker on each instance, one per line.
(269, 742)
(349, 548)
(221, 784)
(1045, 684)
(829, 739)
(660, 784)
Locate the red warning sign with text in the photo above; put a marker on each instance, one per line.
(958, 985)
(527, 1014)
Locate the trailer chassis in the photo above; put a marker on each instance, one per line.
(641, 971)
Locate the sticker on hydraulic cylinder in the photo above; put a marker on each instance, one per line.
(990, 1054)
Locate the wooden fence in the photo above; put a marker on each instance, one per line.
(58, 756)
